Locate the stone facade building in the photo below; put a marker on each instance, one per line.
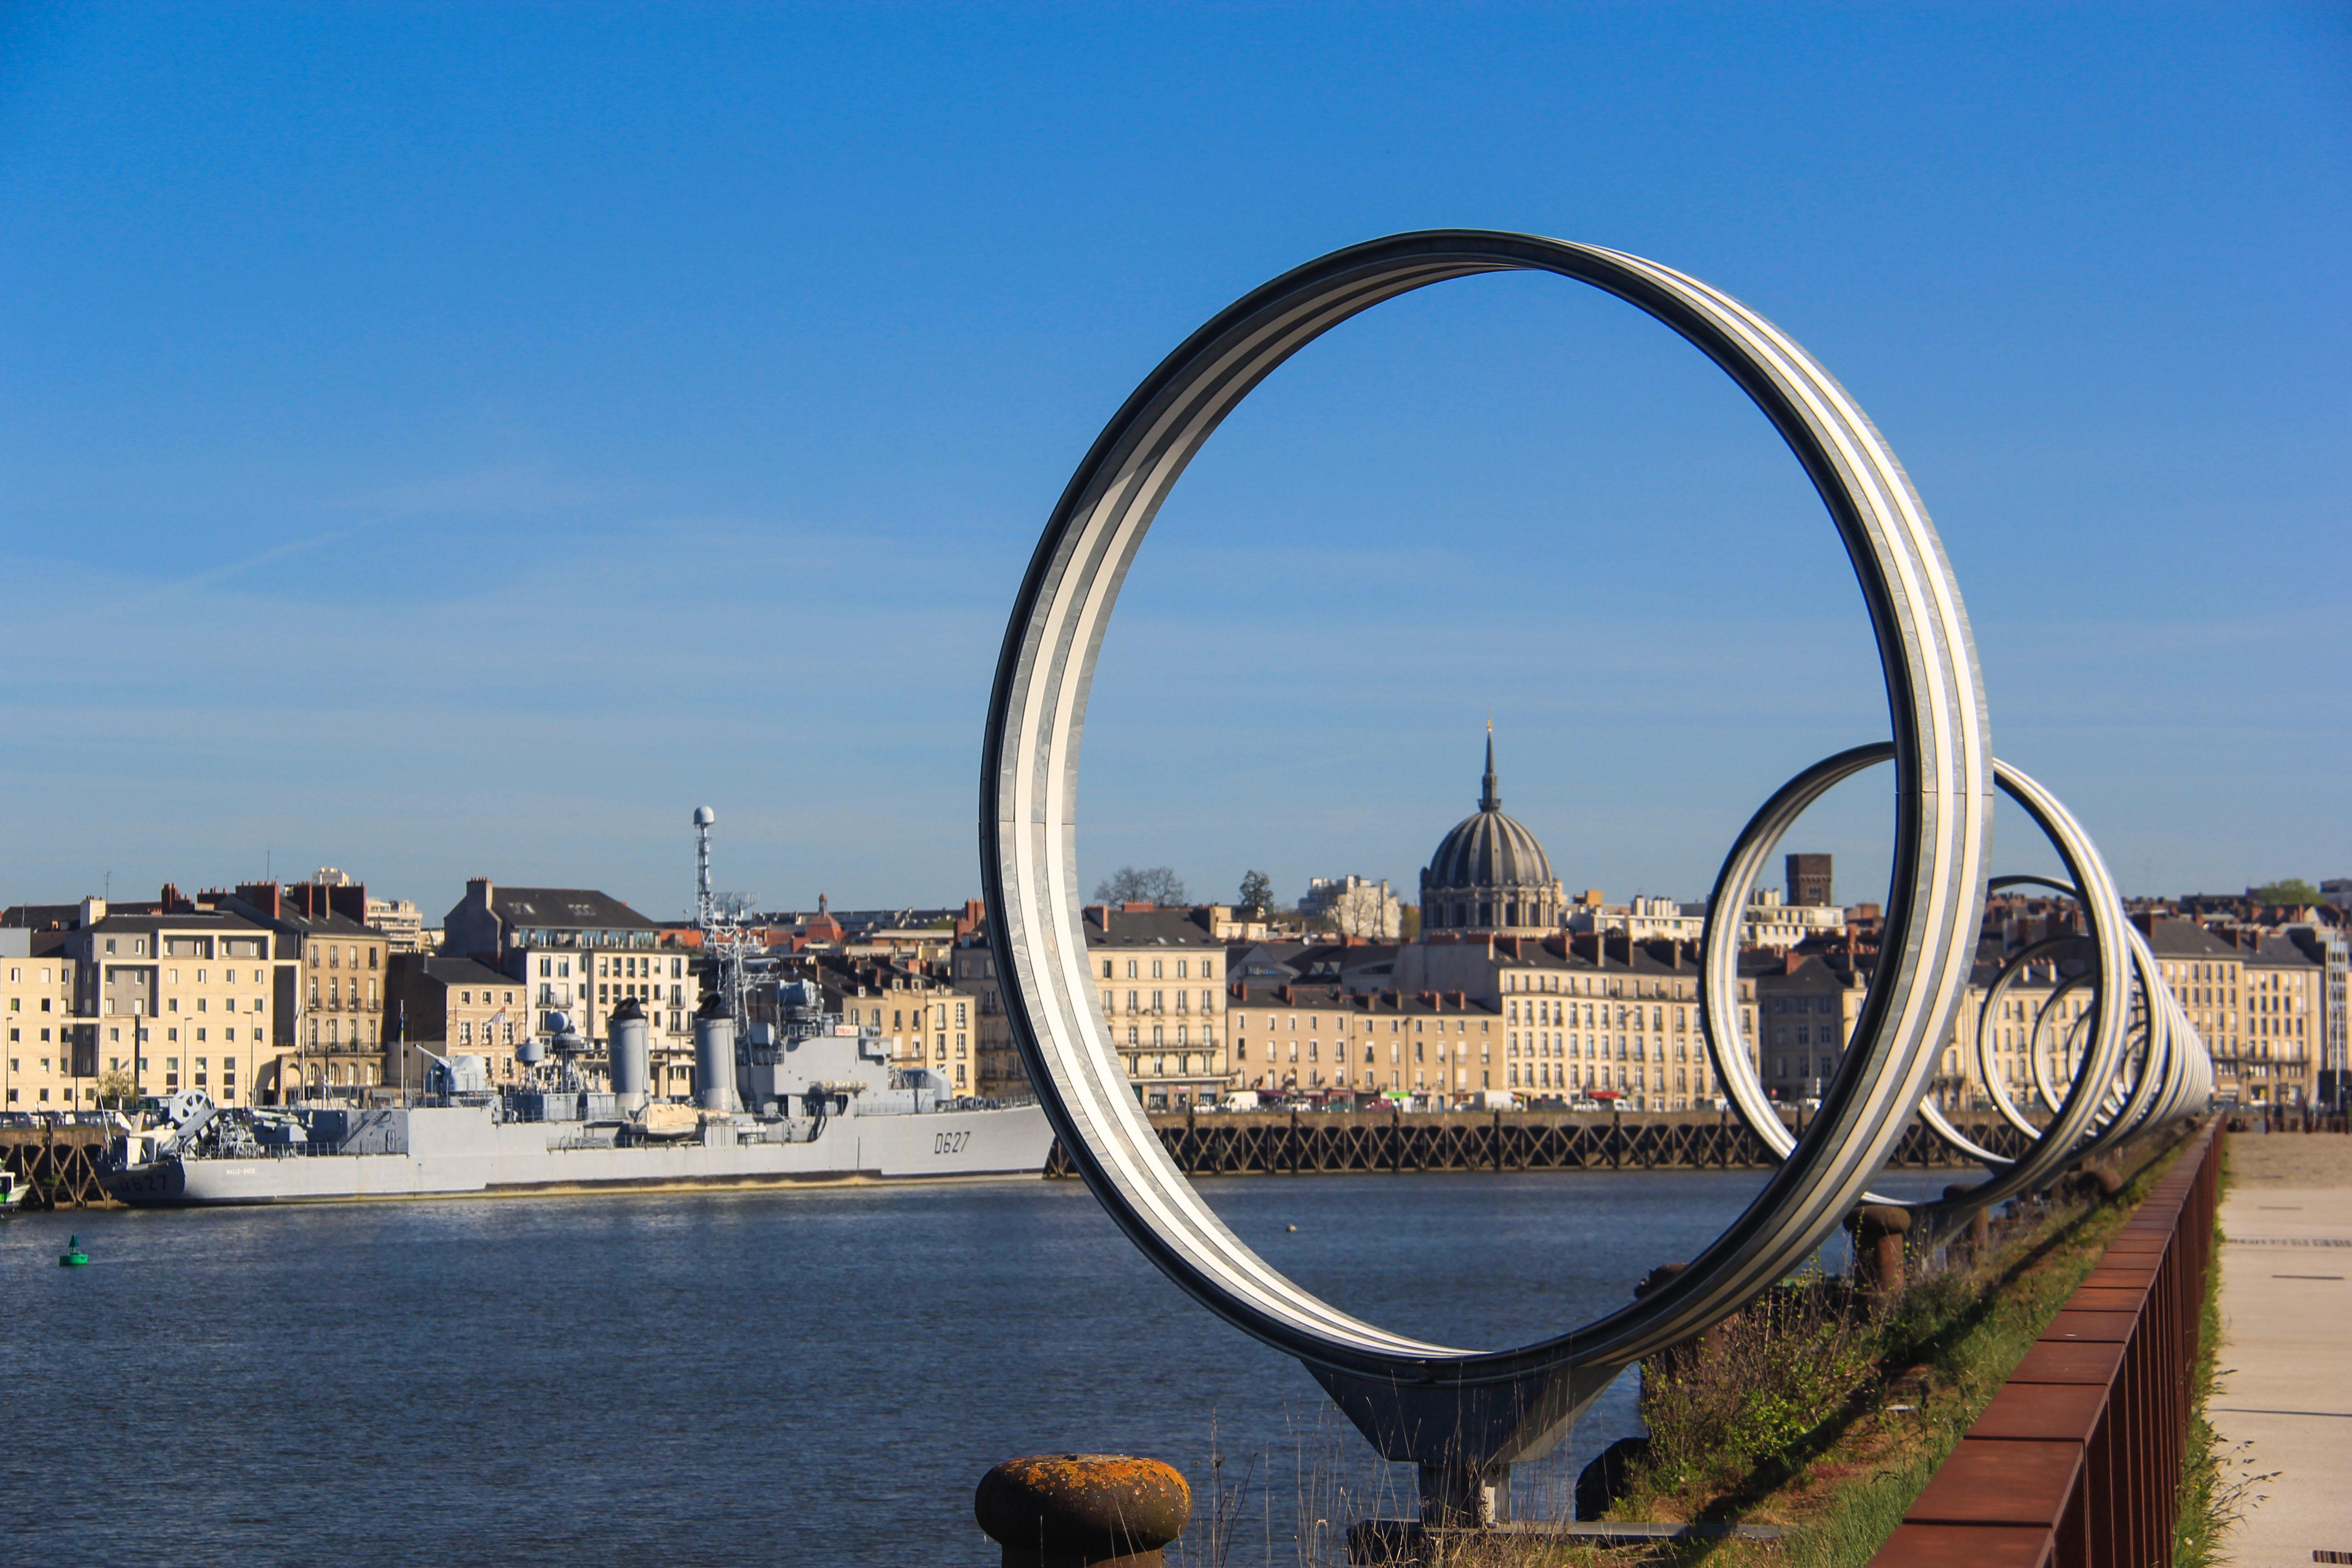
(452, 1007)
(2208, 979)
(1310, 1039)
(580, 952)
(2284, 1021)
(334, 1031)
(37, 997)
(996, 1061)
(1584, 1013)
(1159, 980)
(926, 1018)
(191, 999)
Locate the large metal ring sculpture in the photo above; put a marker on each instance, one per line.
(1463, 1416)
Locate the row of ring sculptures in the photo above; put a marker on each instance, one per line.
(1463, 1416)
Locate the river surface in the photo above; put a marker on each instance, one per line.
(814, 1377)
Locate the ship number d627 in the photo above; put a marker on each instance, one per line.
(950, 1143)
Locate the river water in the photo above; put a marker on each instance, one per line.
(814, 1377)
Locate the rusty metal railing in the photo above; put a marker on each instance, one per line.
(2077, 1462)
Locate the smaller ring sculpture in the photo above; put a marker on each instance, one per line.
(2098, 1110)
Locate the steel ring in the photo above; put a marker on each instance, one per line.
(1400, 1389)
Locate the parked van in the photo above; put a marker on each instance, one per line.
(1239, 1099)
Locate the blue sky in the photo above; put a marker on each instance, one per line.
(457, 440)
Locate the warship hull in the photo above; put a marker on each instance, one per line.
(466, 1150)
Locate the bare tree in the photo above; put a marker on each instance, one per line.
(1157, 885)
(1351, 907)
(1363, 911)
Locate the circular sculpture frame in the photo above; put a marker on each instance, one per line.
(1463, 1415)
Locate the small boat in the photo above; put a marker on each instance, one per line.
(12, 1191)
(73, 1256)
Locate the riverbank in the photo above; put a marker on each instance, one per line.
(1836, 1415)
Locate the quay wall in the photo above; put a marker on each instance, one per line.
(58, 1165)
(1309, 1142)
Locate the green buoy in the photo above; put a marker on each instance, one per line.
(73, 1256)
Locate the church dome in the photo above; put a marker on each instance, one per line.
(1490, 873)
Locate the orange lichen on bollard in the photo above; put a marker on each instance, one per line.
(1083, 1511)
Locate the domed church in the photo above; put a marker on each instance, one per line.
(1490, 874)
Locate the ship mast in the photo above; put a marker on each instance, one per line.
(723, 935)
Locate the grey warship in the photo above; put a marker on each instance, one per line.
(802, 1100)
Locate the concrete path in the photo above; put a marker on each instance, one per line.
(2285, 1399)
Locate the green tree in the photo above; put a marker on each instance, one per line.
(115, 1089)
(2286, 891)
(1256, 900)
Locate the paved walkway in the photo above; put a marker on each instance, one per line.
(2286, 1316)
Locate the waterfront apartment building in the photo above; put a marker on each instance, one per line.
(37, 997)
(190, 999)
(1160, 980)
(1580, 1012)
(1805, 1013)
(996, 1061)
(332, 1027)
(2207, 976)
(1301, 1038)
(580, 953)
(339, 1040)
(2284, 1024)
(451, 1006)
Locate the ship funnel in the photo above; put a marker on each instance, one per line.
(630, 1075)
(714, 1056)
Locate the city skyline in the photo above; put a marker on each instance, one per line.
(481, 439)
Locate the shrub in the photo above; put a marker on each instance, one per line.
(1749, 1389)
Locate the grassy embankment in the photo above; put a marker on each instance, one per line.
(1826, 1414)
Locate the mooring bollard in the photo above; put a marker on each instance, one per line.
(1083, 1511)
(1878, 1231)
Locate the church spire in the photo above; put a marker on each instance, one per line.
(1487, 799)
